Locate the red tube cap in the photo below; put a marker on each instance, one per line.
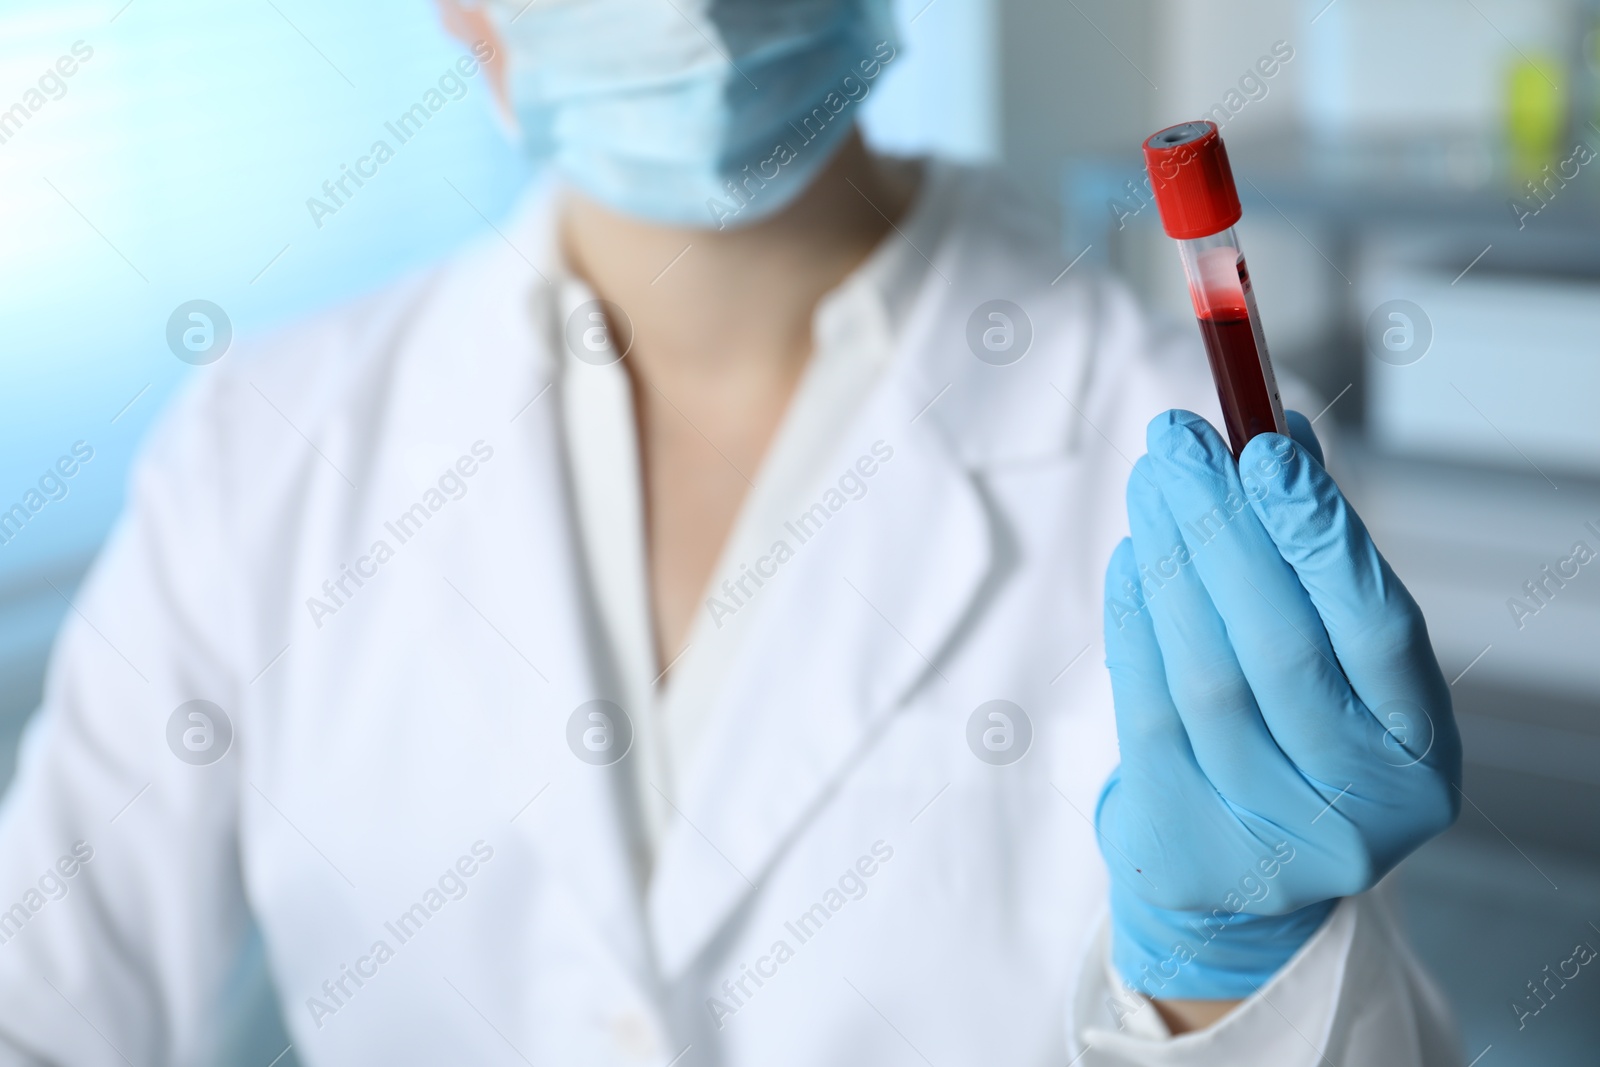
(1192, 180)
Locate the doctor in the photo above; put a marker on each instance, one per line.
(672, 633)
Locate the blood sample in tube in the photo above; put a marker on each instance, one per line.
(1199, 207)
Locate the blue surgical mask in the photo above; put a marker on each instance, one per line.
(710, 113)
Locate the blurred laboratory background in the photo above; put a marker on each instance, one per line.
(1422, 222)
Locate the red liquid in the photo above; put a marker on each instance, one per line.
(1241, 385)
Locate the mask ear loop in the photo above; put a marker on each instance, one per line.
(469, 22)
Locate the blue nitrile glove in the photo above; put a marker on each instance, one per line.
(1286, 733)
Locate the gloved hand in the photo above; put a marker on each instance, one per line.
(1286, 734)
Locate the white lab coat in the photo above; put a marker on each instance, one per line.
(400, 775)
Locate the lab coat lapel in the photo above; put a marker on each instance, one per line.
(855, 625)
(480, 367)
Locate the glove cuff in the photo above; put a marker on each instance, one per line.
(1199, 955)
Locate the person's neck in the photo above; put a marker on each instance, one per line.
(710, 304)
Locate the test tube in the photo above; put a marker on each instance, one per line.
(1199, 207)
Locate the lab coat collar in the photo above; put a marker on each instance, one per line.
(973, 244)
(992, 256)
(482, 346)
(892, 278)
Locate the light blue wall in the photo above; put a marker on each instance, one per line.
(176, 165)
(944, 96)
